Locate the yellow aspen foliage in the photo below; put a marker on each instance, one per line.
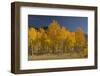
(39, 35)
(32, 33)
(71, 40)
(53, 29)
(43, 34)
(62, 34)
(56, 39)
(80, 37)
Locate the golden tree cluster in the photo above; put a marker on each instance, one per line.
(56, 39)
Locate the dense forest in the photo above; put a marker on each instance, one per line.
(56, 40)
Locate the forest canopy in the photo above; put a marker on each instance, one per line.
(56, 39)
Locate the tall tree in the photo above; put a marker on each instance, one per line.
(32, 36)
(71, 41)
(80, 39)
(53, 29)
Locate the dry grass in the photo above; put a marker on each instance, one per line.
(53, 56)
